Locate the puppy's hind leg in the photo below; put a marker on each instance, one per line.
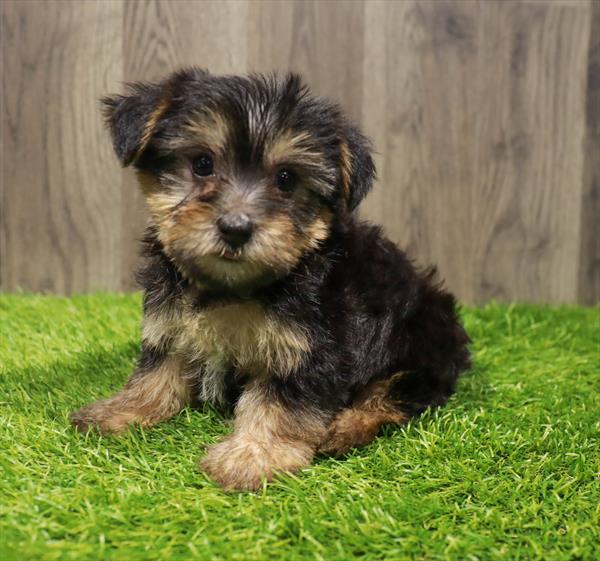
(359, 424)
(154, 392)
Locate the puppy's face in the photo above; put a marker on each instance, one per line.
(242, 176)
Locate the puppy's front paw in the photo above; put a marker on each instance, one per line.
(100, 416)
(240, 462)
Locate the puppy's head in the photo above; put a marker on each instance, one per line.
(242, 175)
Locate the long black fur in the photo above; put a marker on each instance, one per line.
(369, 313)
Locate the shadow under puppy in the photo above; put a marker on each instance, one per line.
(262, 289)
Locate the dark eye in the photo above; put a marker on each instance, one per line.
(203, 165)
(286, 180)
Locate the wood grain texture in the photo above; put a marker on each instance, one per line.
(61, 204)
(480, 123)
(589, 267)
(484, 116)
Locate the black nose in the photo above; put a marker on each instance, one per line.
(235, 229)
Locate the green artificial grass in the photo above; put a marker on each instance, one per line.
(507, 470)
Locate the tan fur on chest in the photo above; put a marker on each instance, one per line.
(242, 337)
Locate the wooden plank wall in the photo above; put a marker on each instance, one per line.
(485, 116)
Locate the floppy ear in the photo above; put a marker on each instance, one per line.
(357, 166)
(132, 118)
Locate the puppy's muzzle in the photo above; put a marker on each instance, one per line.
(235, 229)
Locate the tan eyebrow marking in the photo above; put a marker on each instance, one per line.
(208, 128)
(293, 146)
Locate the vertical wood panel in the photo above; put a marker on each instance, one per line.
(589, 268)
(393, 114)
(480, 124)
(61, 193)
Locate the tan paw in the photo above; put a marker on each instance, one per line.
(239, 462)
(350, 429)
(102, 418)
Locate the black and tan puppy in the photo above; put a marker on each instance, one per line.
(262, 289)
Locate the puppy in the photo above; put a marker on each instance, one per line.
(262, 289)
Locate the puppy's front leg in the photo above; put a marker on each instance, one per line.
(156, 391)
(268, 437)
